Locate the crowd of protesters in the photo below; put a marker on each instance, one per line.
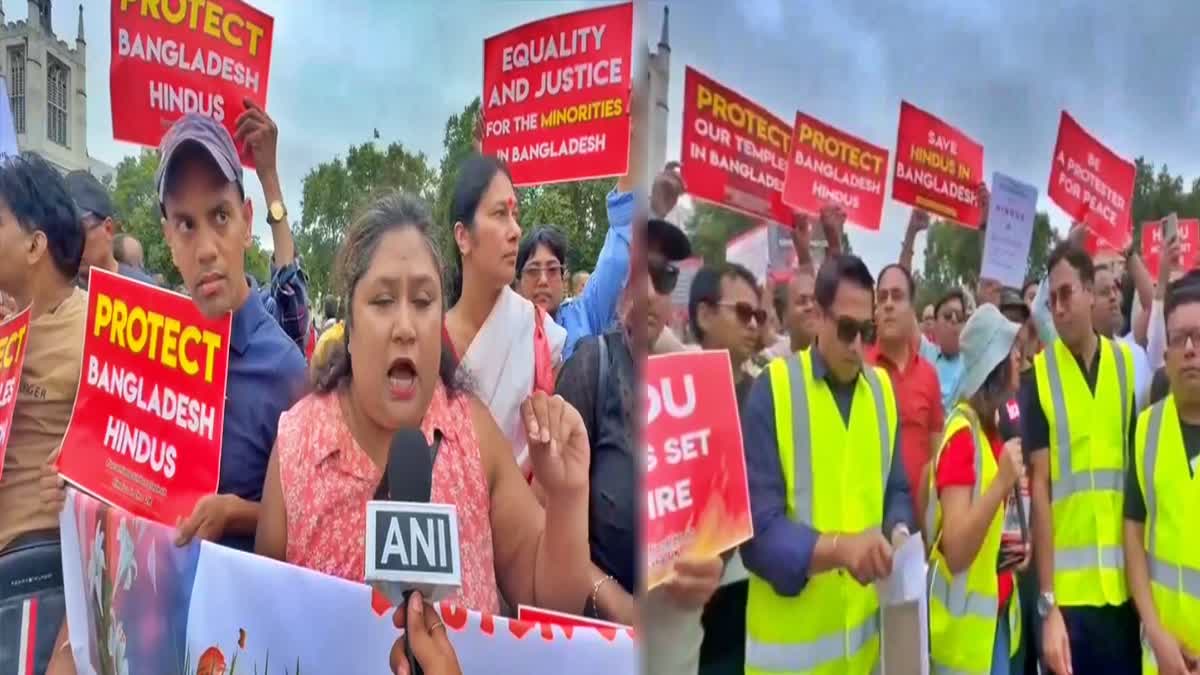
(471, 351)
(871, 419)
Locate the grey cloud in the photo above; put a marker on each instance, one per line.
(1001, 72)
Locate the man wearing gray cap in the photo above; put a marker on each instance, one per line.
(206, 224)
(96, 215)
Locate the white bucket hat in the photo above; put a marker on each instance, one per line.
(986, 341)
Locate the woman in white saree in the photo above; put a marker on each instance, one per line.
(506, 347)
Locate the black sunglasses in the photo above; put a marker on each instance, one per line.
(663, 275)
(848, 329)
(745, 312)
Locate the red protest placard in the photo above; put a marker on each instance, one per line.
(1092, 183)
(145, 433)
(13, 333)
(556, 96)
(697, 501)
(938, 167)
(1189, 245)
(830, 166)
(169, 59)
(734, 152)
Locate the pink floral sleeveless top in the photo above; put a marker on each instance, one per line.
(327, 481)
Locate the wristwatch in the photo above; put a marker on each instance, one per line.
(276, 213)
(1045, 603)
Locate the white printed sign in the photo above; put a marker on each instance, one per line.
(1009, 231)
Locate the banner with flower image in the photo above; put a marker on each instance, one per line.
(136, 603)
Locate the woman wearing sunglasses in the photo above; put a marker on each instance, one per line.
(974, 479)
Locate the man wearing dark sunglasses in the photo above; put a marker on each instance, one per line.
(725, 313)
(666, 245)
(828, 492)
(949, 315)
(676, 644)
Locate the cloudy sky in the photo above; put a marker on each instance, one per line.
(339, 70)
(1126, 71)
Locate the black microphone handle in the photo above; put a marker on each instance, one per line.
(1021, 512)
(414, 668)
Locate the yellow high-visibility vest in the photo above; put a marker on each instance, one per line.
(1172, 510)
(835, 476)
(964, 608)
(1088, 441)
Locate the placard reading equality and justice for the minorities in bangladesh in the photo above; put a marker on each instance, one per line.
(734, 152)
(829, 165)
(556, 96)
(697, 499)
(14, 335)
(938, 167)
(174, 58)
(145, 433)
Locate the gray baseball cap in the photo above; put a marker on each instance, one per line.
(205, 132)
(88, 194)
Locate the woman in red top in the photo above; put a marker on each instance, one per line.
(390, 374)
(967, 515)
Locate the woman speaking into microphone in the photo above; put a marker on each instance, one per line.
(974, 624)
(391, 373)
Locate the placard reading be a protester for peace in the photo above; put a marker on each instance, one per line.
(556, 96)
(145, 433)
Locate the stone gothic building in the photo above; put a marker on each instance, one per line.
(47, 88)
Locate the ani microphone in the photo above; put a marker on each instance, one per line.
(412, 545)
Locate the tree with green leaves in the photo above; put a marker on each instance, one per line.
(335, 190)
(953, 254)
(137, 213)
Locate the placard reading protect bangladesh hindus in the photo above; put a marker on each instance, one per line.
(145, 433)
(14, 335)
(829, 166)
(556, 96)
(174, 58)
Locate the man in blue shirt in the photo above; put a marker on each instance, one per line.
(594, 310)
(949, 315)
(785, 552)
(206, 223)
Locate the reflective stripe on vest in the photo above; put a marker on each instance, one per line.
(832, 626)
(959, 601)
(802, 437)
(811, 655)
(1171, 575)
(1069, 483)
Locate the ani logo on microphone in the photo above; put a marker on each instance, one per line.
(413, 543)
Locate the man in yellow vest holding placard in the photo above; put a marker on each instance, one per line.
(1162, 499)
(826, 484)
(1076, 414)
